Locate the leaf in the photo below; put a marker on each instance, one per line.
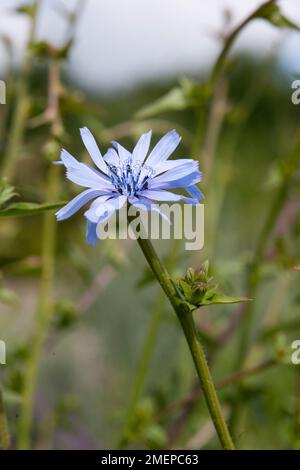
(187, 94)
(7, 192)
(186, 289)
(273, 14)
(28, 208)
(174, 100)
(223, 299)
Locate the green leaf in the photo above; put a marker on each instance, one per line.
(7, 192)
(187, 94)
(174, 100)
(186, 289)
(273, 14)
(223, 299)
(28, 208)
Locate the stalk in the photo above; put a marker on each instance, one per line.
(45, 307)
(185, 317)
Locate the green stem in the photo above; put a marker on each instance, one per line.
(253, 277)
(4, 431)
(233, 379)
(45, 308)
(221, 60)
(185, 317)
(18, 124)
(43, 317)
(142, 370)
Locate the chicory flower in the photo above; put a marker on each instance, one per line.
(121, 176)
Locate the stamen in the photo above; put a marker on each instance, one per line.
(126, 177)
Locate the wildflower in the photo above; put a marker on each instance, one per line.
(123, 177)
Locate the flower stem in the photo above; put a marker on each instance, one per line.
(45, 307)
(142, 370)
(4, 431)
(43, 317)
(185, 317)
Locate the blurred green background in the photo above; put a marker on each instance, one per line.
(102, 299)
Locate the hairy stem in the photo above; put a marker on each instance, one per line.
(186, 320)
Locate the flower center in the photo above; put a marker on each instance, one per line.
(128, 179)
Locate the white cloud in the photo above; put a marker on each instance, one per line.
(121, 43)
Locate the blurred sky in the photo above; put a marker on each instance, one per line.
(122, 43)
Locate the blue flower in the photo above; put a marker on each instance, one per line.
(122, 176)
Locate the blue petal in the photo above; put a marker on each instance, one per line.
(180, 176)
(163, 148)
(123, 153)
(141, 149)
(146, 204)
(88, 177)
(111, 157)
(167, 196)
(177, 172)
(102, 209)
(83, 174)
(171, 164)
(68, 160)
(91, 233)
(195, 192)
(77, 203)
(160, 195)
(93, 149)
(184, 182)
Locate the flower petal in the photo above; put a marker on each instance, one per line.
(123, 153)
(163, 148)
(146, 204)
(167, 196)
(83, 174)
(88, 177)
(141, 149)
(68, 160)
(171, 164)
(183, 182)
(111, 157)
(93, 149)
(102, 209)
(77, 203)
(195, 192)
(183, 175)
(91, 233)
(160, 195)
